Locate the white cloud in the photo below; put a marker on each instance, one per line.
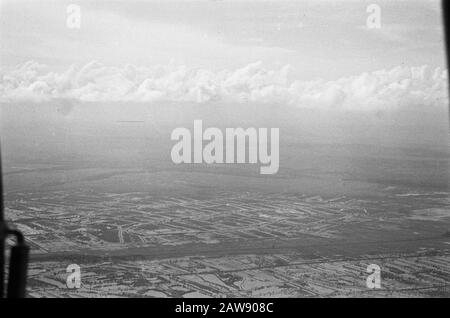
(379, 90)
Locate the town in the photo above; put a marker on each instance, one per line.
(234, 244)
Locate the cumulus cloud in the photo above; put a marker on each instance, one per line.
(379, 90)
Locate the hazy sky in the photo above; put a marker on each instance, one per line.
(309, 54)
(319, 39)
(239, 63)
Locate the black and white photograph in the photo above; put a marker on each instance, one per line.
(242, 150)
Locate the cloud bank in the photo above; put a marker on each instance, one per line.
(380, 90)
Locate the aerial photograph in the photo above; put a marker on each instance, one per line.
(232, 149)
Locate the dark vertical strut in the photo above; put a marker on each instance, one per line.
(18, 266)
(446, 19)
(2, 235)
(19, 255)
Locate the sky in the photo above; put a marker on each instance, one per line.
(319, 39)
(239, 63)
(309, 54)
